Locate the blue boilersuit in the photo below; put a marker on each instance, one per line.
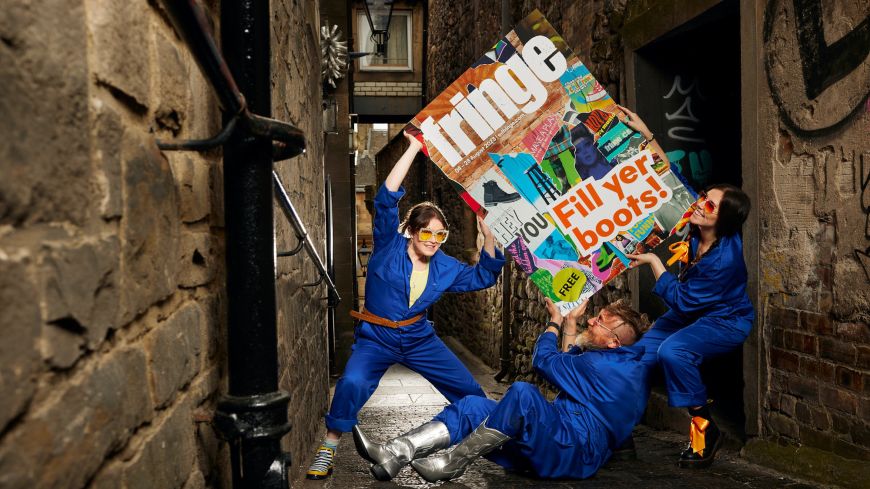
(602, 399)
(416, 346)
(710, 314)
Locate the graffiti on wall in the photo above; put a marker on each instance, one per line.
(863, 256)
(802, 66)
(695, 160)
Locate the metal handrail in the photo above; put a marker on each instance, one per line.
(191, 23)
(302, 235)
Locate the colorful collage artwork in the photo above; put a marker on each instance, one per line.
(536, 146)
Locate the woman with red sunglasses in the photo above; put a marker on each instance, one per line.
(407, 273)
(709, 310)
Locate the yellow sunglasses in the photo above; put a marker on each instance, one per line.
(427, 234)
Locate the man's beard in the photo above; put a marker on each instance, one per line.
(585, 341)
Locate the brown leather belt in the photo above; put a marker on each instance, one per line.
(371, 318)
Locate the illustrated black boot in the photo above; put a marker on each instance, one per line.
(494, 195)
(452, 464)
(389, 458)
(704, 440)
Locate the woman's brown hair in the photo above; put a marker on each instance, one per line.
(419, 215)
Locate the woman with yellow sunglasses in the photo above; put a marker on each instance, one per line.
(407, 273)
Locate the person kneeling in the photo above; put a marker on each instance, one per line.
(602, 381)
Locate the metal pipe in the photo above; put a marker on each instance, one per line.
(330, 269)
(301, 234)
(253, 404)
(191, 23)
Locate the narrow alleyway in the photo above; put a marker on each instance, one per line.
(404, 400)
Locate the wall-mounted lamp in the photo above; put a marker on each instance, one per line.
(379, 14)
(364, 253)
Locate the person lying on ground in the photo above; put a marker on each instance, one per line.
(602, 383)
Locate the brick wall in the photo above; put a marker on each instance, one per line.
(814, 284)
(388, 89)
(112, 253)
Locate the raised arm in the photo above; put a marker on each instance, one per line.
(400, 169)
(634, 121)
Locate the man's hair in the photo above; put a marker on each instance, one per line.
(638, 322)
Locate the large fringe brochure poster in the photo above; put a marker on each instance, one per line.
(535, 145)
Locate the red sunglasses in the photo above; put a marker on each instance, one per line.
(708, 205)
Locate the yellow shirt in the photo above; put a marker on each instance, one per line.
(418, 284)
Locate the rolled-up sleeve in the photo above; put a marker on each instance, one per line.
(386, 219)
(480, 276)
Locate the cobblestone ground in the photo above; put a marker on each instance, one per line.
(405, 400)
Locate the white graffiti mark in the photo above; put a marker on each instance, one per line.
(678, 87)
(684, 113)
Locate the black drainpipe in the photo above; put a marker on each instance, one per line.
(254, 403)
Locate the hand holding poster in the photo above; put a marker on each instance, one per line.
(543, 154)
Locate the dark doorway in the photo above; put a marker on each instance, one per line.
(688, 92)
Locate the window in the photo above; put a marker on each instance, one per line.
(399, 56)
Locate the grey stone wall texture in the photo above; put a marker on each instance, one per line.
(112, 301)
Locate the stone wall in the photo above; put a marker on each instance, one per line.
(112, 253)
(302, 336)
(814, 277)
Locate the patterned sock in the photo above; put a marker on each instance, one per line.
(322, 465)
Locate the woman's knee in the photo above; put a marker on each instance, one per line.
(521, 391)
(354, 382)
(672, 353)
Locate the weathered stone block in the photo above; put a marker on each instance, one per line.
(192, 177)
(44, 158)
(61, 345)
(816, 323)
(850, 379)
(783, 425)
(783, 318)
(63, 442)
(195, 481)
(149, 227)
(119, 33)
(110, 477)
(108, 132)
(20, 326)
(838, 399)
(806, 388)
(173, 352)
(80, 285)
(198, 260)
(783, 360)
(166, 459)
(837, 351)
(800, 342)
(173, 85)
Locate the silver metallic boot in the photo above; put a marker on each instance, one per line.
(389, 458)
(453, 463)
